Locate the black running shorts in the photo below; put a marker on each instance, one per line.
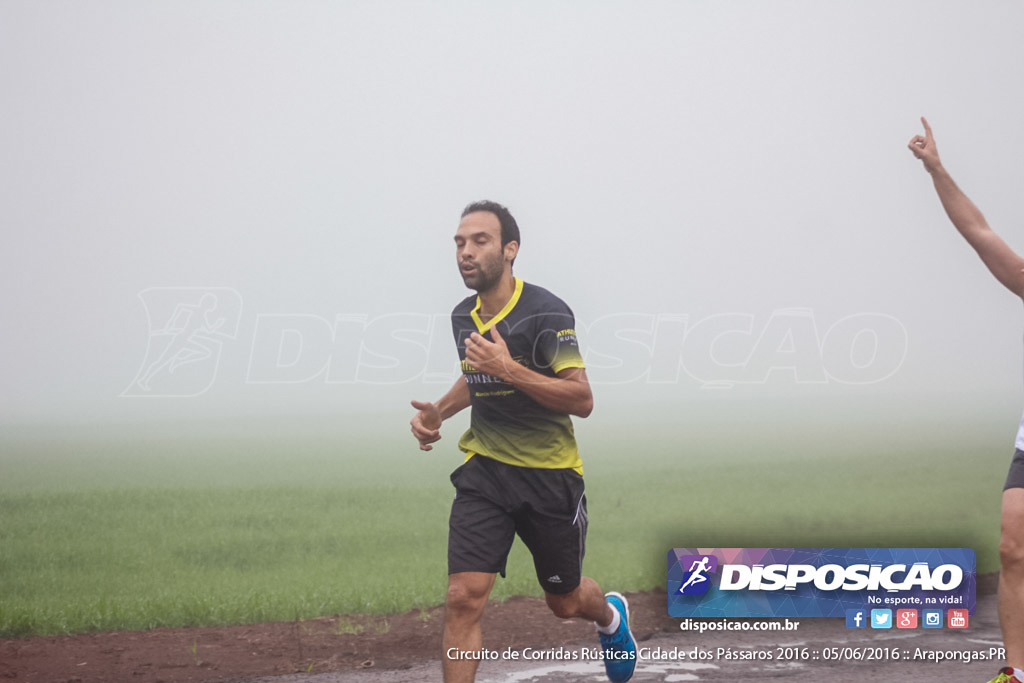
(1015, 478)
(494, 502)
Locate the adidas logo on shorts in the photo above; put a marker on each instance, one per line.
(555, 579)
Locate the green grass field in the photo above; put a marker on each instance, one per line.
(124, 531)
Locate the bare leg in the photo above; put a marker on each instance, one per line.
(463, 607)
(1011, 577)
(586, 602)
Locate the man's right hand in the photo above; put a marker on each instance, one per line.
(426, 424)
(923, 147)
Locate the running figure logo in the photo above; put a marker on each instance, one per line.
(187, 330)
(696, 580)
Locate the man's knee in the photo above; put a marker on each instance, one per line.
(564, 606)
(1011, 551)
(467, 593)
(1011, 537)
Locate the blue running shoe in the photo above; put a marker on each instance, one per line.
(619, 647)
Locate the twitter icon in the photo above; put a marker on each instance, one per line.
(881, 618)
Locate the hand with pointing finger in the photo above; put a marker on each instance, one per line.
(923, 147)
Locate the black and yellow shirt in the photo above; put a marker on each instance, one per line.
(506, 424)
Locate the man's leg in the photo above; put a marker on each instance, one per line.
(1011, 576)
(554, 527)
(463, 607)
(611, 615)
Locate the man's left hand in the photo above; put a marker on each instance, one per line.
(490, 357)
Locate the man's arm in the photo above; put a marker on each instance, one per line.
(426, 423)
(568, 393)
(1000, 259)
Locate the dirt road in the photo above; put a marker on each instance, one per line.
(405, 648)
(819, 650)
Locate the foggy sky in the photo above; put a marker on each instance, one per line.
(669, 163)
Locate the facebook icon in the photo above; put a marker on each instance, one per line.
(856, 618)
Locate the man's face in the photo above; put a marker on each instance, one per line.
(478, 250)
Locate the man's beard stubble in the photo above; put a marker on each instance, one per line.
(486, 276)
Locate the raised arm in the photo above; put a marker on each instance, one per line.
(1000, 259)
(426, 423)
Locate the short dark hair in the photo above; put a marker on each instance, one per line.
(509, 227)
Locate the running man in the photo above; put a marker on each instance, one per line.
(523, 376)
(697, 573)
(1008, 268)
(192, 331)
